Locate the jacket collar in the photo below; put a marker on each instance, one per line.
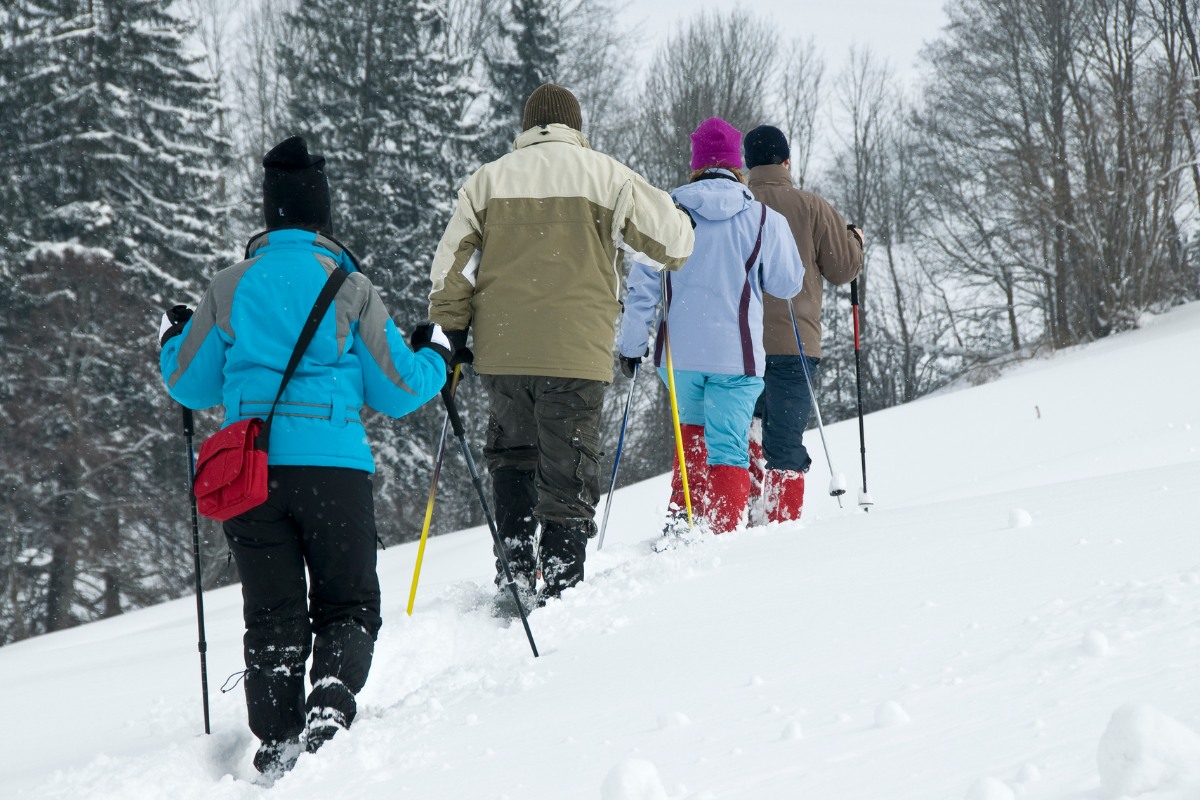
(769, 173)
(550, 133)
(291, 236)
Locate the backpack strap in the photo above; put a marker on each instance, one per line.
(744, 303)
(324, 299)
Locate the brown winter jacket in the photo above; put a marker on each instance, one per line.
(531, 258)
(827, 249)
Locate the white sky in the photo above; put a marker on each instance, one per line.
(893, 29)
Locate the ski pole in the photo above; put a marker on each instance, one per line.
(837, 481)
(617, 458)
(501, 550)
(864, 498)
(687, 495)
(188, 431)
(437, 471)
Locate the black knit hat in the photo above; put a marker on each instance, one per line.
(550, 103)
(766, 144)
(295, 190)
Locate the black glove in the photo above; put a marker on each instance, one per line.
(460, 353)
(430, 334)
(629, 363)
(172, 323)
(691, 219)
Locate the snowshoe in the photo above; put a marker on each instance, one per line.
(503, 605)
(676, 531)
(274, 759)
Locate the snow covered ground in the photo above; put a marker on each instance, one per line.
(1018, 616)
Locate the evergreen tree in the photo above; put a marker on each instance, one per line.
(115, 132)
(526, 55)
(384, 99)
(107, 137)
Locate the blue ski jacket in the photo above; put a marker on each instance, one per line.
(235, 348)
(715, 320)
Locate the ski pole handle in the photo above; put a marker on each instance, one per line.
(854, 305)
(452, 411)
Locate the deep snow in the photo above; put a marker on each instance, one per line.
(1018, 616)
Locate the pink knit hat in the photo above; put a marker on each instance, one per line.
(716, 143)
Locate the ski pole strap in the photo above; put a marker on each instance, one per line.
(660, 333)
(324, 299)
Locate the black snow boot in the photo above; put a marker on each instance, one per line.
(342, 655)
(273, 759)
(564, 547)
(515, 495)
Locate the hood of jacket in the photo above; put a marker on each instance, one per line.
(715, 199)
(554, 132)
(266, 241)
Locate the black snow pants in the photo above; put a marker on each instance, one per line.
(322, 519)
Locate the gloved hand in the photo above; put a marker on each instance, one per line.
(629, 363)
(460, 353)
(172, 323)
(431, 335)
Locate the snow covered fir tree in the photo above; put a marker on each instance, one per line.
(1011, 210)
(111, 207)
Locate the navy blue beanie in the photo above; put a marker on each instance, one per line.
(766, 144)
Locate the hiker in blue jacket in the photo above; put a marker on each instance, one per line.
(319, 514)
(715, 324)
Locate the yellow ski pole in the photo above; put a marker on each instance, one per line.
(687, 495)
(437, 471)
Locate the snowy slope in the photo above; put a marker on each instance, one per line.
(1019, 615)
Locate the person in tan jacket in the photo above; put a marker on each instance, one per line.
(831, 251)
(530, 264)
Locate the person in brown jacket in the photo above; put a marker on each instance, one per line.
(832, 251)
(529, 263)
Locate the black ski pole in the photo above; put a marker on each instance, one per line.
(501, 552)
(188, 431)
(864, 498)
(612, 486)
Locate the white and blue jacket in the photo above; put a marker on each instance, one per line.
(716, 298)
(236, 346)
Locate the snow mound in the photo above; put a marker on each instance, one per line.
(1019, 518)
(890, 715)
(990, 789)
(1143, 750)
(792, 732)
(673, 721)
(633, 779)
(1095, 643)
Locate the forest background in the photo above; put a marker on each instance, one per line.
(1032, 185)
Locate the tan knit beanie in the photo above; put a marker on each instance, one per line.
(551, 103)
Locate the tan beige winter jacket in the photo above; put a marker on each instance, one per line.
(530, 259)
(827, 249)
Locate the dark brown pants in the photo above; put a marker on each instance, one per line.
(544, 457)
